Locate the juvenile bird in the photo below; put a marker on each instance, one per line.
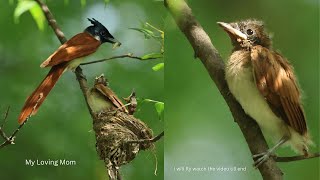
(264, 83)
(102, 99)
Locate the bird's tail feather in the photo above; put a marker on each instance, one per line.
(37, 97)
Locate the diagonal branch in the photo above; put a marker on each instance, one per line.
(2, 133)
(214, 65)
(52, 22)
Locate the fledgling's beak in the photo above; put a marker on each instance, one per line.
(233, 32)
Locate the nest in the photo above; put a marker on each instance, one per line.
(117, 134)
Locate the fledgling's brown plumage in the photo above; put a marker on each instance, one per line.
(102, 99)
(263, 82)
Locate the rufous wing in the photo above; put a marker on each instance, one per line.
(276, 82)
(110, 95)
(78, 46)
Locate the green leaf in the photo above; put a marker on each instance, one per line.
(158, 67)
(38, 16)
(149, 100)
(151, 56)
(83, 3)
(21, 8)
(34, 9)
(147, 33)
(159, 107)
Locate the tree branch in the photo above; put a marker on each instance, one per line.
(10, 140)
(52, 22)
(214, 65)
(84, 88)
(2, 133)
(294, 158)
(129, 55)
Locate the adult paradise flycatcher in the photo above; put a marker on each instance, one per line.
(67, 56)
(264, 83)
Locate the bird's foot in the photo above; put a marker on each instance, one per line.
(261, 158)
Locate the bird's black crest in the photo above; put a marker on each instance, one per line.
(94, 22)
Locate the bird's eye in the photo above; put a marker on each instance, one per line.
(249, 31)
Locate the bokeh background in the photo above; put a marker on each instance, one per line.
(62, 128)
(200, 130)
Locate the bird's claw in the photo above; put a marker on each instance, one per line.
(262, 157)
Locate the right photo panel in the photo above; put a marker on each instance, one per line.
(241, 90)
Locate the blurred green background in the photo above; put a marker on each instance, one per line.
(62, 128)
(200, 130)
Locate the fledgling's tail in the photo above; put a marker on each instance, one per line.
(300, 143)
(37, 97)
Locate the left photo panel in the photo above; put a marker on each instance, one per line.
(82, 89)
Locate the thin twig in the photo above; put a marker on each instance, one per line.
(84, 88)
(152, 140)
(5, 116)
(295, 158)
(10, 140)
(52, 22)
(2, 133)
(129, 55)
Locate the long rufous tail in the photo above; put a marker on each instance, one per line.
(37, 97)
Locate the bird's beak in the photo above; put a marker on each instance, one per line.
(115, 42)
(233, 32)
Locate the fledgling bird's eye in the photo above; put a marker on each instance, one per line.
(249, 31)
